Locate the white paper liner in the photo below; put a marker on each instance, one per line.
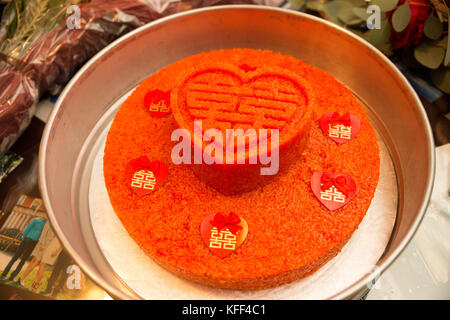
(151, 281)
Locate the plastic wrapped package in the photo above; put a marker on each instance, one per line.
(61, 36)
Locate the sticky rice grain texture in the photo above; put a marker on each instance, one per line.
(291, 234)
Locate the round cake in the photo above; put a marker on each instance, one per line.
(226, 224)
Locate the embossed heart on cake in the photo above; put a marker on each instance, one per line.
(226, 97)
(222, 99)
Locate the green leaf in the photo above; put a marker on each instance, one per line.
(332, 9)
(357, 3)
(361, 13)
(314, 5)
(385, 5)
(297, 4)
(379, 37)
(401, 17)
(441, 79)
(433, 27)
(428, 55)
(348, 17)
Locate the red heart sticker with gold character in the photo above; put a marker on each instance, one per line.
(333, 191)
(339, 128)
(157, 103)
(223, 234)
(145, 176)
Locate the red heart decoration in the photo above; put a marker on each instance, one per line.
(333, 191)
(145, 176)
(223, 235)
(341, 129)
(157, 103)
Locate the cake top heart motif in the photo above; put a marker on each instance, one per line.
(224, 96)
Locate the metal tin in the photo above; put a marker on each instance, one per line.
(78, 116)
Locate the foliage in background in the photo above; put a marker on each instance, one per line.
(8, 162)
(24, 21)
(415, 30)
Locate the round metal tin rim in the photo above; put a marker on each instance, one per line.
(350, 291)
